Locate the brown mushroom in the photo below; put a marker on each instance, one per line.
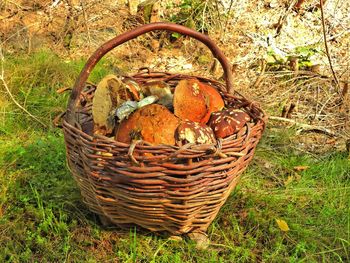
(133, 89)
(103, 103)
(161, 90)
(195, 101)
(213, 99)
(193, 132)
(227, 122)
(153, 123)
(189, 101)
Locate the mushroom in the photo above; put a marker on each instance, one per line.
(193, 132)
(104, 101)
(189, 101)
(161, 90)
(153, 123)
(213, 99)
(227, 122)
(133, 89)
(195, 101)
(111, 92)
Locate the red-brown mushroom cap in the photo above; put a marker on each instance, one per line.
(153, 123)
(189, 100)
(213, 99)
(227, 122)
(193, 132)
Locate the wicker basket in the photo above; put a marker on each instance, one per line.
(174, 189)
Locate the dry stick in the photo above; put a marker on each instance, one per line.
(19, 105)
(317, 102)
(326, 46)
(85, 20)
(298, 4)
(261, 75)
(228, 16)
(283, 18)
(203, 15)
(219, 16)
(2, 79)
(306, 127)
(55, 3)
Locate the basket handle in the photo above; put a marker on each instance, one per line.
(108, 46)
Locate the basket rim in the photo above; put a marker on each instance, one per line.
(174, 151)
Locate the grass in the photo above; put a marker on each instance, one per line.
(42, 218)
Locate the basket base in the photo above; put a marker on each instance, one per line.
(105, 221)
(199, 237)
(108, 223)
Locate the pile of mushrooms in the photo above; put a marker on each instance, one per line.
(193, 113)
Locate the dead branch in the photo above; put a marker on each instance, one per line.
(2, 79)
(298, 5)
(228, 17)
(326, 47)
(283, 18)
(258, 80)
(85, 20)
(284, 111)
(306, 127)
(290, 111)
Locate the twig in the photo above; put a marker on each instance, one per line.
(258, 80)
(326, 47)
(219, 16)
(346, 31)
(55, 3)
(203, 15)
(85, 20)
(317, 102)
(283, 18)
(298, 5)
(305, 127)
(2, 79)
(228, 16)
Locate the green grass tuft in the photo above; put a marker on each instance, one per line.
(33, 80)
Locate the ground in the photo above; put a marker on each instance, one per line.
(297, 175)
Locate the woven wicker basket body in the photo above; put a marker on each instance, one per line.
(158, 187)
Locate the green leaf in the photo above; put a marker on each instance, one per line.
(176, 35)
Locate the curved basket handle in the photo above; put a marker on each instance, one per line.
(108, 46)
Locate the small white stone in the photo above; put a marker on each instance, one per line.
(187, 66)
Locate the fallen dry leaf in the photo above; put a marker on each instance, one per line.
(175, 238)
(301, 168)
(282, 225)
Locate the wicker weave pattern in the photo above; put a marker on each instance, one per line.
(161, 188)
